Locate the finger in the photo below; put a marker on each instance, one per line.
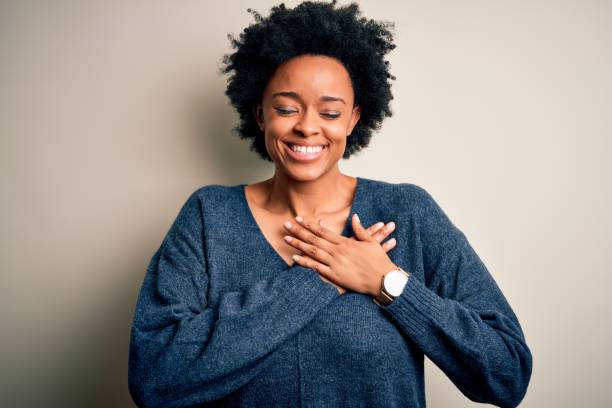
(319, 229)
(309, 262)
(373, 229)
(389, 245)
(306, 236)
(359, 230)
(309, 237)
(316, 253)
(384, 232)
(305, 259)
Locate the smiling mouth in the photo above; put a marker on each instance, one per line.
(304, 153)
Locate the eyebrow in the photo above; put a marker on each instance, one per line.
(295, 95)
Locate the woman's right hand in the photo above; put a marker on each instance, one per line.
(379, 233)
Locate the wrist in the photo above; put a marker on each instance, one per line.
(378, 280)
(392, 285)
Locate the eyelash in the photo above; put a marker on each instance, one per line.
(288, 112)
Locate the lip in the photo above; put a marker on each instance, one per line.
(304, 144)
(304, 157)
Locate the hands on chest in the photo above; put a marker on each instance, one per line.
(357, 263)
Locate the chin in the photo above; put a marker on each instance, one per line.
(305, 174)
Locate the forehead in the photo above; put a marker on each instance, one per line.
(312, 75)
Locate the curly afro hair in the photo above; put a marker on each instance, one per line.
(311, 28)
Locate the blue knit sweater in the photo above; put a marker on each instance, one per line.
(223, 320)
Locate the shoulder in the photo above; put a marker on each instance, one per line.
(211, 191)
(410, 200)
(213, 195)
(206, 199)
(207, 207)
(407, 196)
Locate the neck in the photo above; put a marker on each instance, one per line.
(311, 199)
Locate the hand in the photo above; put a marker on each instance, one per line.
(378, 231)
(356, 264)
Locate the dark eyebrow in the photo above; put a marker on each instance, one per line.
(295, 95)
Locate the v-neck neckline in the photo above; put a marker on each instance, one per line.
(253, 221)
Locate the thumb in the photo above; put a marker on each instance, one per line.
(360, 231)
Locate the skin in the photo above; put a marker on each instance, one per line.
(296, 108)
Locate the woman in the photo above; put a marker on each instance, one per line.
(275, 294)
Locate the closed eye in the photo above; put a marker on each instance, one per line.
(285, 111)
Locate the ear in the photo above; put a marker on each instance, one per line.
(258, 113)
(356, 114)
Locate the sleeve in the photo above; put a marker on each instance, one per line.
(460, 319)
(182, 351)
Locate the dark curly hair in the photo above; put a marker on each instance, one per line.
(311, 28)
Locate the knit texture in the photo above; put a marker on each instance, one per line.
(222, 320)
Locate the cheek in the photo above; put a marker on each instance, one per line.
(336, 131)
(275, 130)
(279, 127)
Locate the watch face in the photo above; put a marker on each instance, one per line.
(395, 282)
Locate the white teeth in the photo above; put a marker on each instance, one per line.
(304, 149)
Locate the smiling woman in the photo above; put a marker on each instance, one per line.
(305, 115)
(275, 293)
(320, 29)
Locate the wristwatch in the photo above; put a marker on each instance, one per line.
(391, 286)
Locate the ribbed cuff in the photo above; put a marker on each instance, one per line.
(416, 308)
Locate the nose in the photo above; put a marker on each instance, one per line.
(308, 123)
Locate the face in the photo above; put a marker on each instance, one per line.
(307, 114)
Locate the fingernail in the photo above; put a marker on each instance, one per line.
(390, 226)
(299, 219)
(357, 218)
(379, 224)
(287, 225)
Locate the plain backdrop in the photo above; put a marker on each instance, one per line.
(113, 112)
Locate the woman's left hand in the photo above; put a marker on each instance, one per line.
(355, 264)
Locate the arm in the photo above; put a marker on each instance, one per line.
(460, 319)
(182, 351)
